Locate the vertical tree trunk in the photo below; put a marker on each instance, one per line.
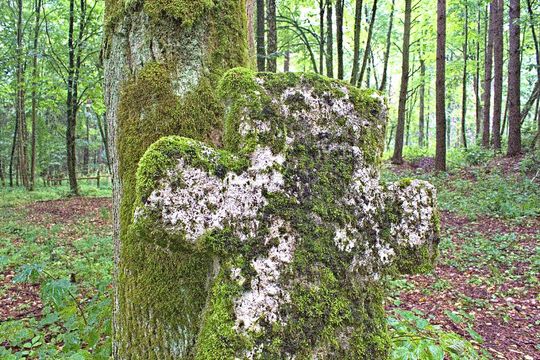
(340, 4)
(86, 148)
(488, 64)
(103, 132)
(271, 52)
(251, 6)
(70, 105)
(478, 102)
(464, 80)
(322, 7)
(397, 158)
(37, 12)
(287, 62)
(388, 45)
(2, 175)
(356, 50)
(261, 46)
(514, 88)
(421, 115)
(537, 55)
(367, 50)
(498, 58)
(162, 67)
(20, 101)
(13, 150)
(440, 150)
(329, 40)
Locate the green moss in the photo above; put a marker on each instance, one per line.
(163, 284)
(218, 339)
(337, 312)
(185, 11)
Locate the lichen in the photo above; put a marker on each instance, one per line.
(300, 231)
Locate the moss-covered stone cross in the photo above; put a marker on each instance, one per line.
(292, 212)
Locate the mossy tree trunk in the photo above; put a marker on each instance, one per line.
(162, 63)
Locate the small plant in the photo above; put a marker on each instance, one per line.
(415, 338)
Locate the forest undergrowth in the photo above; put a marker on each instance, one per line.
(481, 301)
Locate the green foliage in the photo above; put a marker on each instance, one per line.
(72, 265)
(415, 338)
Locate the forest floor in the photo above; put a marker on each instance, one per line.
(55, 273)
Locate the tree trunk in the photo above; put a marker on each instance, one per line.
(421, 115)
(329, 40)
(464, 80)
(12, 154)
(251, 6)
(86, 148)
(537, 55)
(2, 175)
(287, 62)
(340, 4)
(20, 111)
(71, 105)
(261, 46)
(478, 102)
(322, 6)
(356, 50)
(388, 45)
(397, 158)
(488, 64)
(440, 102)
(162, 68)
(271, 52)
(37, 10)
(498, 58)
(367, 50)
(514, 89)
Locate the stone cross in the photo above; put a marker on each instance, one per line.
(301, 230)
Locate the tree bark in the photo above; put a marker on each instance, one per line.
(161, 76)
(464, 80)
(271, 52)
(322, 7)
(514, 88)
(384, 79)
(340, 4)
(368, 42)
(488, 64)
(440, 149)
(478, 102)
(397, 158)
(421, 115)
(498, 58)
(537, 56)
(20, 112)
(329, 40)
(251, 6)
(261, 46)
(356, 50)
(37, 12)
(71, 102)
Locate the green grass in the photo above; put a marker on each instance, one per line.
(16, 196)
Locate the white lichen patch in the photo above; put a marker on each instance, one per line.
(417, 205)
(194, 201)
(322, 113)
(266, 294)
